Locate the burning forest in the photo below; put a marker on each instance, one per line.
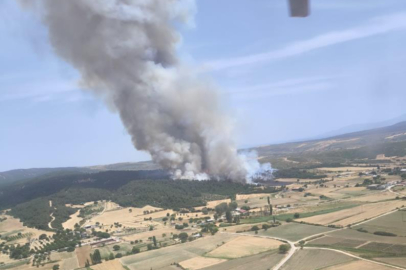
(125, 51)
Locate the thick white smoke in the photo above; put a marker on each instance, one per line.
(125, 51)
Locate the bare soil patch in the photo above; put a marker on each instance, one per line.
(200, 262)
(70, 223)
(83, 254)
(244, 246)
(109, 265)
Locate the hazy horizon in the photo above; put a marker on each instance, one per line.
(281, 79)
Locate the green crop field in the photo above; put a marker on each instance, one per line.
(294, 231)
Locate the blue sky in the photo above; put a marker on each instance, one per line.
(281, 78)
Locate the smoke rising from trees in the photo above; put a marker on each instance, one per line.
(125, 51)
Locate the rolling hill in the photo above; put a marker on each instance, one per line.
(346, 148)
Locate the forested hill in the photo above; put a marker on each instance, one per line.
(27, 190)
(29, 201)
(12, 176)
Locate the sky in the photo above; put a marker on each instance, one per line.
(280, 78)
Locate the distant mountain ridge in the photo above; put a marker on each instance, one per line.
(384, 136)
(362, 127)
(358, 146)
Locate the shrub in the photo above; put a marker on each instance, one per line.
(179, 227)
(265, 226)
(284, 248)
(384, 233)
(362, 230)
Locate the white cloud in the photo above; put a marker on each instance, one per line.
(376, 26)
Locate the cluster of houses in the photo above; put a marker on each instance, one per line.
(385, 186)
(101, 242)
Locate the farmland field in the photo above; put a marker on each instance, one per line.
(262, 261)
(354, 215)
(356, 265)
(178, 253)
(244, 246)
(375, 197)
(393, 223)
(106, 250)
(308, 259)
(337, 242)
(398, 261)
(125, 215)
(354, 234)
(398, 250)
(20, 265)
(200, 262)
(109, 265)
(294, 231)
(250, 196)
(83, 254)
(68, 260)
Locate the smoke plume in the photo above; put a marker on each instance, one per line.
(125, 51)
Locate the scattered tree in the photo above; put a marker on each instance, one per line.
(284, 248)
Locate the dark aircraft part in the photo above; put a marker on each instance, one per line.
(299, 8)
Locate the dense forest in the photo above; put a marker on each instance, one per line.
(30, 201)
(27, 190)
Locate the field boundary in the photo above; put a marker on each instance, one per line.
(357, 257)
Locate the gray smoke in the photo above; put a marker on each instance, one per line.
(125, 51)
